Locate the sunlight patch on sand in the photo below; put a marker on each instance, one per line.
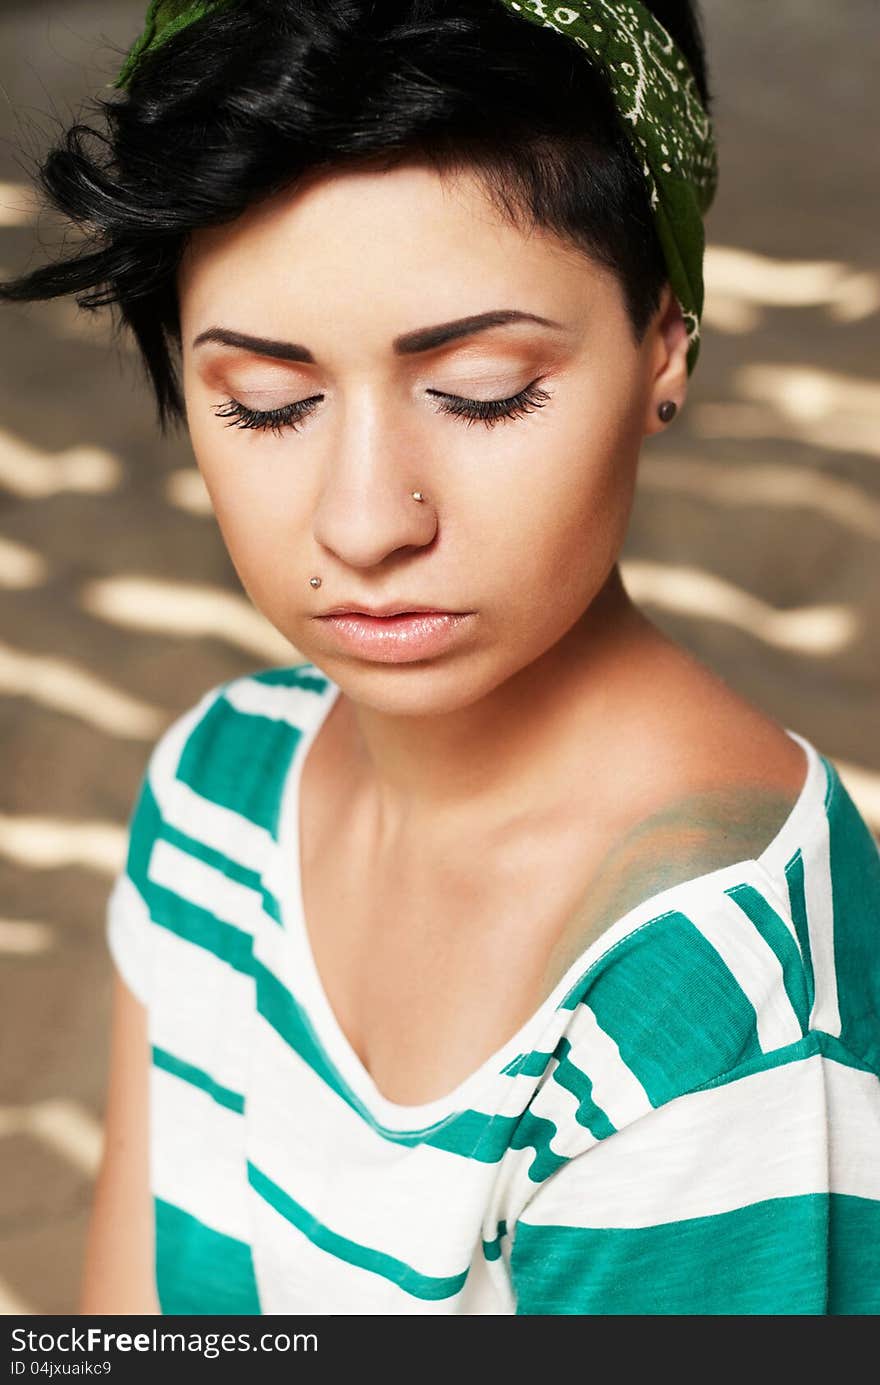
(741, 284)
(817, 631)
(25, 937)
(185, 609)
(49, 843)
(21, 566)
(34, 474)
(186, 490)
(840, 413)
(66, 1126)
(19, 204)
(12, 1304)
(763, 484)
(63, 686)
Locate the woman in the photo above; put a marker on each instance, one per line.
(496, 958)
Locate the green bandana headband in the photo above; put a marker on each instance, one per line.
(657, 98)
(164, 19)
(654, 91)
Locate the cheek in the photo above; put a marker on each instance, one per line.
(258, 512)
(562, 516)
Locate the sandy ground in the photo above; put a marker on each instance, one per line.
(755, 539)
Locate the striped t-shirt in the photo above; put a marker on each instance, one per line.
(689, 1123)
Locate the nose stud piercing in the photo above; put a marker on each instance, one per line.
(667, 409)
(416, 495)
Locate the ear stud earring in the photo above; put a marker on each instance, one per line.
(667, 410)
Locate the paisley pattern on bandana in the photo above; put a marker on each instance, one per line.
(654, 92)
(659, 103)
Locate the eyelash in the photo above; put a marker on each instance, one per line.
(488, 411)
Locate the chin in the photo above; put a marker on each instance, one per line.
(436, 686)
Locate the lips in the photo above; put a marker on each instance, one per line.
(400, 638)
(391, 609)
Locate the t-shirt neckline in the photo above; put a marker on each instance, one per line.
(287, 883)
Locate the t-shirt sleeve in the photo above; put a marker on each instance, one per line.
(129, 925)
(757, 1194)
(701, 1144)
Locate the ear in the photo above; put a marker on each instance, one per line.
(666, 347)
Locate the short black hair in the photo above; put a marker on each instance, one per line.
(261, 92)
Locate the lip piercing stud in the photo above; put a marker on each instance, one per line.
(314, 581)
(417, 495)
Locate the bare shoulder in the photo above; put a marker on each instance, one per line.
(725, 779)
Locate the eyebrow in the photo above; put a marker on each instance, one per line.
(422, 339)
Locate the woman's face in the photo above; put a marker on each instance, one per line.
(522, 519)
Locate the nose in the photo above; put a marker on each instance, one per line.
(365, 510)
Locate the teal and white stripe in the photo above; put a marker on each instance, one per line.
(690, 1123)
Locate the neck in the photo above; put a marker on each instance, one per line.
(509, 751)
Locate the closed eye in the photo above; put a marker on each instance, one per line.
(488, 411)
(491, 411)
(268, 420)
